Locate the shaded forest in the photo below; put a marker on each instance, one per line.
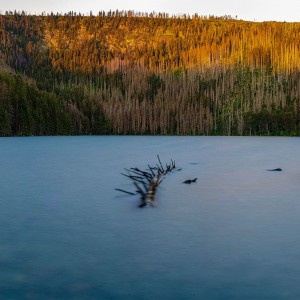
(133, 73)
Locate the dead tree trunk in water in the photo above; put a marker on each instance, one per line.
(146, 182)
(150, 195)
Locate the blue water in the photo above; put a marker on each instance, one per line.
(65, 233)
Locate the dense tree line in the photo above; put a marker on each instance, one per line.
(25, 110)
(126, 73)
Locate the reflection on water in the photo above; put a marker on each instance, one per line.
(67, 234)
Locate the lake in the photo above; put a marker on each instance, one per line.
(66, 233)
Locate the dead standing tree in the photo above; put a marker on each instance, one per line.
(146, 182)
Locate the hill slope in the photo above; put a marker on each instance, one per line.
(120, 73)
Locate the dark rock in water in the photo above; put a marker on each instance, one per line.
(189, 181)
(278, 169)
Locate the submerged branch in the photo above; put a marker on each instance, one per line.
(146, 183)
(120, 190)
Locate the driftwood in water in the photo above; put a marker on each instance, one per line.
(149, 197)
(278, 170)
(146, 182)
(189, 181)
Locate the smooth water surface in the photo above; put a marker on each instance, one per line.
(67, 234)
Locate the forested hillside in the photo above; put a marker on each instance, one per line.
(126, 73)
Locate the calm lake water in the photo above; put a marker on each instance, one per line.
(65, 233)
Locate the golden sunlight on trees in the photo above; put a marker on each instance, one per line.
(126, 73)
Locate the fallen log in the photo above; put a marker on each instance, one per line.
(149, 197)
(147, 181)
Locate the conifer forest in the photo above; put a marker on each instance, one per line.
(132, 73)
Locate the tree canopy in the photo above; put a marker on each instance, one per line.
(127, 73)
